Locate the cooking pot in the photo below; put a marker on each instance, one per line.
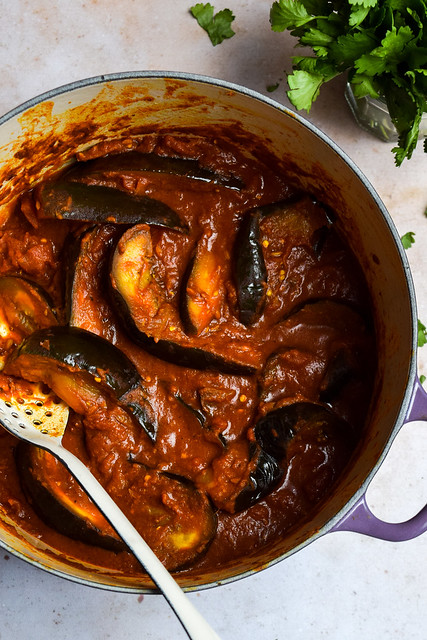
(46, 132)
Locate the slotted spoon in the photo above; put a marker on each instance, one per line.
(41, 418)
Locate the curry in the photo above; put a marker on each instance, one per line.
(212, 334)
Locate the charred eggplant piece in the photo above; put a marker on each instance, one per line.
(137, 162)
(77, 201)
(275, 431)
(301, 218)
(313, 443)
(249, 270)
(201, 292)
(265, 475)
(24, 307)
(58, 500)
(79, 366)
(76, 350)
(137, 295)
(175, 519)
(241, 476)
(183, 356)
(132, 273)
(86, 259)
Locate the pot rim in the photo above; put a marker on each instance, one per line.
(412, 372)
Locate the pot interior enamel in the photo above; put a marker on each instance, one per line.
(43, 134)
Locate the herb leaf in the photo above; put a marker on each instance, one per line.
(304, 88)
(217, 25)
(408, 239)
(422, 334)
(288, 14)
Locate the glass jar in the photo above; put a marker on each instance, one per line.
(373, 116)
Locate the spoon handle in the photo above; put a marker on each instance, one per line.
(194, 624)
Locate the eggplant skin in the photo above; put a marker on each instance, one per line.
(249, 270)
(78, 260)
(96, 203)
(190, 357)
(262, 480)
(139, 162)
(279, 427)
(181, 355)
(24, 308)
(80, 350)
(51, 509)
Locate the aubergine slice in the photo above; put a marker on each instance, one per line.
(138, 296)
(24, 307)
(241, 476)
(59, 501)
(301, 218)
(137, 162)
(79, 366)
(311, 442)
(175, 518)
(263, 478)
(132, 273)
(77, 201)
(249, 270)
(76, 350)
(86, 260)
(201, 291)
(183, 356)
(277, 429)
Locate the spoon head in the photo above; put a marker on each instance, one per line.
(36, 417)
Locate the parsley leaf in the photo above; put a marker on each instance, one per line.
(218, 25)
(358, 15)
(363, 86)
(304, 88)
(422, 334)
(408, 239)
(349, 47)
(287, 14)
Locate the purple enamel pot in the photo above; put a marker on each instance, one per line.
(44, 133)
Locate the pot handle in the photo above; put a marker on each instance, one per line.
(360, 518)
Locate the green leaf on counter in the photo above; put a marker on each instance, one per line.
(217, 25)
(408, 239)
(422, 334)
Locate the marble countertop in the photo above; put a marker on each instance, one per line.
(344, 586)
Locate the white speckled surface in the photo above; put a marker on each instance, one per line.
(344, 586)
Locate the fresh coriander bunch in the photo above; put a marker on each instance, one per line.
(381, 44)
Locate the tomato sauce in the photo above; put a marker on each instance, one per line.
(247, 320)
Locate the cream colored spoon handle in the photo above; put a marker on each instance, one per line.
(194, 624)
